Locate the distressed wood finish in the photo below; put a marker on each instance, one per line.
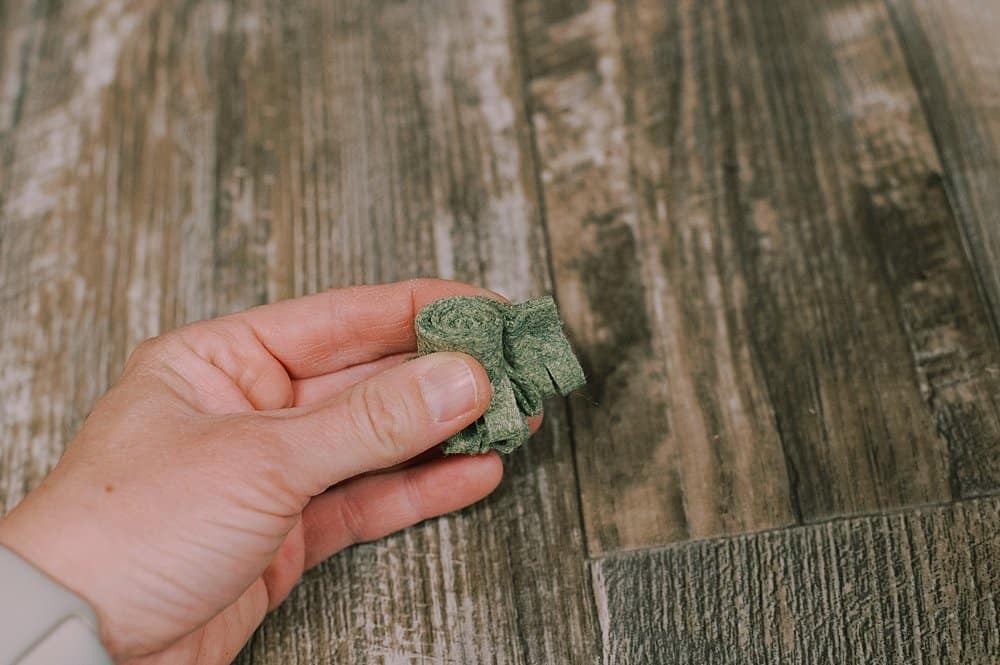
(917, 587)
(165, 162)
(680, 426)
(752, 243)
(954, 57)
(741, 210)
(72, 258)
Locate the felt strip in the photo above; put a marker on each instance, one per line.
(523, 350)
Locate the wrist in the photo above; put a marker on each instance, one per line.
(42, 621)
(54, 544)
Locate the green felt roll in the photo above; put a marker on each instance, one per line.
(523, 350)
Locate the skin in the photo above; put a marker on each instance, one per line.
(234, 454)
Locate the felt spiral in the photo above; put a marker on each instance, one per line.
(470, 324)
(521, 347)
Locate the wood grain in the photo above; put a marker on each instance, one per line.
(166, 162)
(756, 218)
(915, 587)
(680, 441)
(753, 247)
(954, 57)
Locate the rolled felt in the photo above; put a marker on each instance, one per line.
(523, 350)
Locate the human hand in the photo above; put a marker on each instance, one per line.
(235, 453)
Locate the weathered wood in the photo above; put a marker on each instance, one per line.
(747, 223)
(954, 57)
(752, 246)
(64, 283)
(912, 587)
(680, 441)
(415, 147)
(173, 161)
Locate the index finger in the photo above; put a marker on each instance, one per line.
(329, 331)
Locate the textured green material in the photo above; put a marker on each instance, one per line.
(524, 351)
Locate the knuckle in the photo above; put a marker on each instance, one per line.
(352, 519)
(148, 351)
(414, 494)
(380, 421)
(418, 283)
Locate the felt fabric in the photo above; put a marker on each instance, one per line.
(523, 350)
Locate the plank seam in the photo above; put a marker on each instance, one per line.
(520, 53)
(993, 497)
(520, 49)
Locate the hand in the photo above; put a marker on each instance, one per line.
(234, 454)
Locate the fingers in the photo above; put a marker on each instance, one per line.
(535, 423)
(379, 422)
(271, 353)
(371, 507)
(323, 333)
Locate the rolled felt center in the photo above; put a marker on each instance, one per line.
(469, 324)
(523, 350)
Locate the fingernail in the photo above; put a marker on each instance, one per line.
(449, 388)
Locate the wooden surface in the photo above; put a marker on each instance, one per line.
(771, 229)
(913, 587)
(954, 57)
(791, 301)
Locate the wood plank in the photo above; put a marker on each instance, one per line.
(61, 278)
(753, 248)
(414, 144)
(178, 161)
(18, 39)
(680, 441)
(919, 586)
(18, 46)
(954, 56)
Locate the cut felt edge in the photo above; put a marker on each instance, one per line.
(502, 426)
(566, 374)
(532, 360)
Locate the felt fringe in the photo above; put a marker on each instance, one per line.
(523, 350)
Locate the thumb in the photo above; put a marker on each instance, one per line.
(383, 421)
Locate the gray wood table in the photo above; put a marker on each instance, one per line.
(773, 229)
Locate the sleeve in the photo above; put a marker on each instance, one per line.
(42, 622)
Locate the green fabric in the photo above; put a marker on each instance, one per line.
(524, 351)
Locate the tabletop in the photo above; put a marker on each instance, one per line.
(772, 230)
